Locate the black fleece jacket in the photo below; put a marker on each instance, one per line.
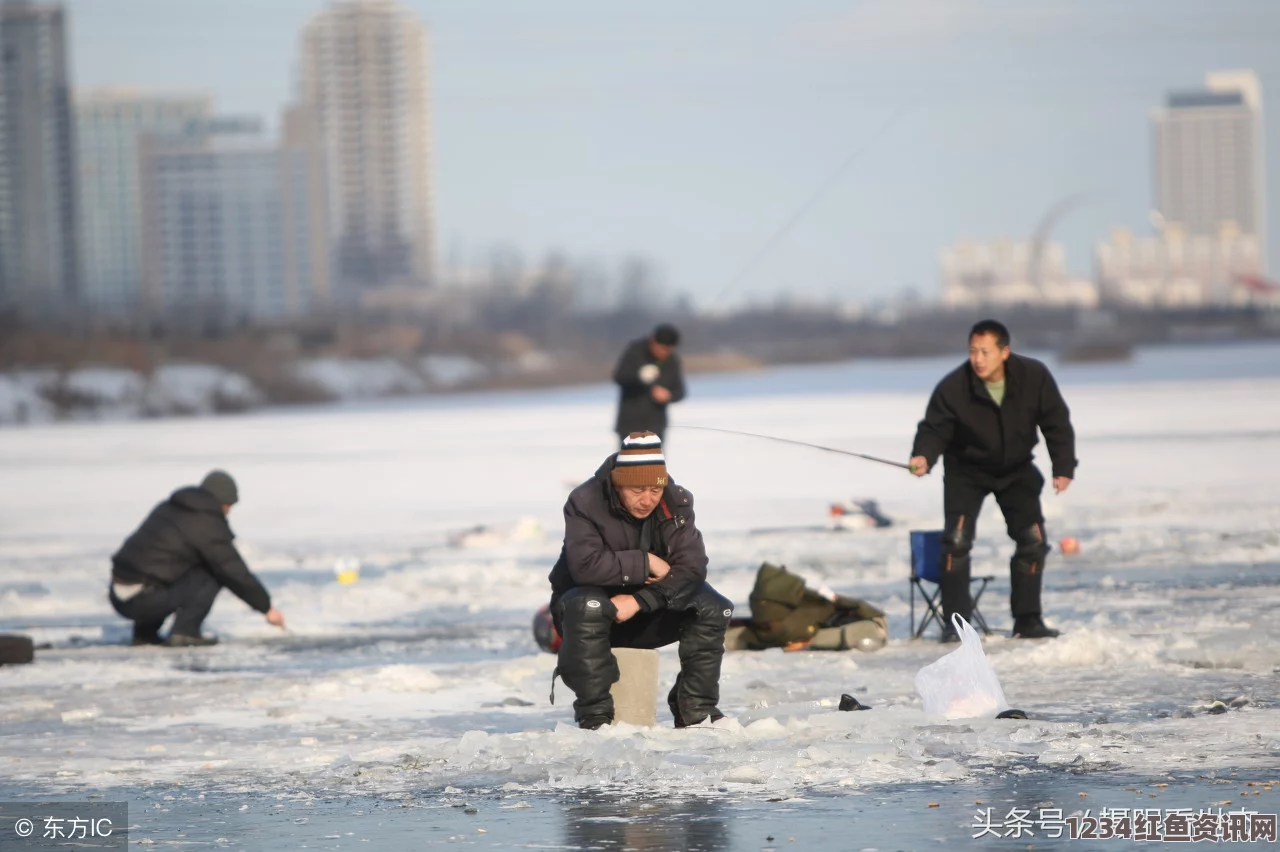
(187, 532)
(964, 424)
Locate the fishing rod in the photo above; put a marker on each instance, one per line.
(809, 203)
(801, 444)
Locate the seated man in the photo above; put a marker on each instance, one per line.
(633, 574)
(178, 561)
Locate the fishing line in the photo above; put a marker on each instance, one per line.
(801, 444)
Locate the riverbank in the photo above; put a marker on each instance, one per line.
(112, 393)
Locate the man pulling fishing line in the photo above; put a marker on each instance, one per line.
(649, 377)
(982, 419)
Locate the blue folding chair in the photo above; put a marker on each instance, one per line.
(926, 565)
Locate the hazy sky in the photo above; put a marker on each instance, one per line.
(690, 132)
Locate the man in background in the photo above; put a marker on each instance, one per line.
(650, 378)
(982, 418)
(177, 562)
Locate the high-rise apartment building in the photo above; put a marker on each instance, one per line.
(363, 78)
(1209, 158)
(110, 126)
(38, 220)
(233, 225)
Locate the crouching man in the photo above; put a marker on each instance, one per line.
(177, 562)
(633, 574)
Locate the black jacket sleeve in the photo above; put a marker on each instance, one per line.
(590, 561)
(935, 431)
(212, 537)
(687, 556)
(1054, 420)
(627, 373)
(673, 378)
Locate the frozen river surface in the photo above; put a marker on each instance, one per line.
(399, 704)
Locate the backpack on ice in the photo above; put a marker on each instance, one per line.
(785, 613)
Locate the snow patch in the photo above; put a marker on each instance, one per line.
(361, 379)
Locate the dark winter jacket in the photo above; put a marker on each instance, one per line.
(637, 409)
(187, 532)
(605, 546)
(964, 424)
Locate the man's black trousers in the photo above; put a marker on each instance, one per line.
(1018, 495)
(188, 600)
(584, 616)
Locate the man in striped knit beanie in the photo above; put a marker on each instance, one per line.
(633, 574)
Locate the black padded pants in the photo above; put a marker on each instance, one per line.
(1018, 495)
(584, 617)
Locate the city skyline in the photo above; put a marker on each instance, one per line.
(1013, 146)
(1208, 214)
(128, 200)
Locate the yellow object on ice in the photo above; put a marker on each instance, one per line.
(347, 571)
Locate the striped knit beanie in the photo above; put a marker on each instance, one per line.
(640, 461)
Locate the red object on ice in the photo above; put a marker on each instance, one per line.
(544, 630)
(1069, 546)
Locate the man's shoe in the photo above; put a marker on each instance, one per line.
(592, 723)
(182, 640)
(1032, 627)
(949, 633)
(145, 637)
(715, 715)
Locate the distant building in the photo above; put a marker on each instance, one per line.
(110, 125)
(1210, 158)
(1005, 273)
(39, 262)
(233, 224)
(1178, 270)
(363, 76)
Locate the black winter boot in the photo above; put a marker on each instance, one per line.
(585, 660)
(957, 543)
(1032, 627)
(1026, 572)
(697, 688)
(714, 716)
(182, 640)
(146, 634)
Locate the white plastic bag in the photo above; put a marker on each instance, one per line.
(962, 684)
